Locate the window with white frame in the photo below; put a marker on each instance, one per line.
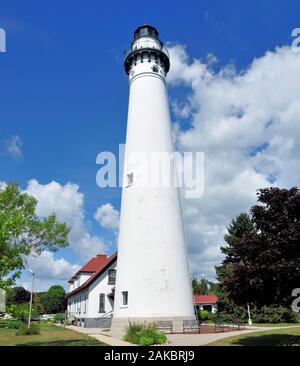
(125, 297)
(111, 276)
(102, 303)
(85, 300)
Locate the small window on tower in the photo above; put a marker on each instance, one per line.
(125, 297)
(129, 179)
(155, 68)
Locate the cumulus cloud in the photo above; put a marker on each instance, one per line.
(14, 146)
(67, 203)
(247, 124)
(2, 185)
(108, 217)
(46, 266)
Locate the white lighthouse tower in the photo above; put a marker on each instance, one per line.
(153, 281)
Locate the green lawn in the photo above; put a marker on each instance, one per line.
(275, 325)
(276, 337)
(51, 335)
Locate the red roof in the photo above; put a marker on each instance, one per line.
(92, 266)
(205, 299)
(95, 263)
(101, 263)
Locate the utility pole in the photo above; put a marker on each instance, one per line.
(30, 306)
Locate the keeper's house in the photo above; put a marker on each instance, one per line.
(91, 294)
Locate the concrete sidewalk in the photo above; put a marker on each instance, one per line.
(204, 339)
(101, 335)
(104, 335)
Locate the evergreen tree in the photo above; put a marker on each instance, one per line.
(239, 227)
(262, 263)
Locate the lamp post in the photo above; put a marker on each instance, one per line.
(30, 306)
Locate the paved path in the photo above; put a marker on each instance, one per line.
(103, 335)
(204, 339)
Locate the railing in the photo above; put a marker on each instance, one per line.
(161, 48)
(110, 313)
(105, 319)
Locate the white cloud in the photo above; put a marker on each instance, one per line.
(247, 124)
(45, 266)
(14, 146)
(40, 285)
(3, 185)
(67, 203)
(108, 217)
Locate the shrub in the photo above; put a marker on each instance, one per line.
(203, 315)
(238, 314)
(10, 324)
(21, 311)
(24, 330)
(68, 321)
(273, 314)
(57, 317)
(144, 334)
(212, 316)
(266, 314)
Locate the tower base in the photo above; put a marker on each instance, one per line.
(118, 325)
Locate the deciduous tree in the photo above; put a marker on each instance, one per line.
(23, 233)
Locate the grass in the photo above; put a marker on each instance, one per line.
(51, 335)
(276, 337)
(274, 325)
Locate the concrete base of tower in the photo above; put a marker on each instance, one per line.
(118, 325)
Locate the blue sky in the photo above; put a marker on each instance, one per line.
(64, 93)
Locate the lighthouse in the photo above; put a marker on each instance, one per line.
(153, 280)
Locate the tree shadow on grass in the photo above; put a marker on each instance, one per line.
(269, 340)
(71, 342)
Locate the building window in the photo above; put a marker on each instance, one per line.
(125, 297)
(85, 299)
(102, 303)
(111, 276)
(129, 179)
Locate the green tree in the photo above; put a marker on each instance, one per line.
(201, 286)
(262, 263)
(54, 300)
(239, 227)
(23, 233)
(214, 288)
(19, 311)
(21, 295)
(37, 303)
(195, 285)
